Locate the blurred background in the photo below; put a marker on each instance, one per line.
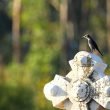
(38, 38)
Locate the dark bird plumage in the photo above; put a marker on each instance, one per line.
(92, 44)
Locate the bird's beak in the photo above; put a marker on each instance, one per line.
(84, 36)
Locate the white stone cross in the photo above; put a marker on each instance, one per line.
(85, 87)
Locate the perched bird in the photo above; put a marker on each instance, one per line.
(92, 44)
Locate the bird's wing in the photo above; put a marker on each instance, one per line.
(95, 46)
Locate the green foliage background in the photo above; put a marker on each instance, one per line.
(22, 84)
(43, 53)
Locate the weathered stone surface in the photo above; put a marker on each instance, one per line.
(85, 87)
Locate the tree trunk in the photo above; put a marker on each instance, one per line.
(68, 28)
(108, 23)
(2, 74)
(75, 17)
(16, 29)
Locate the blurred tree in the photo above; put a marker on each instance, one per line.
(108, 24)
(5, 30)
(74, 28)
(39, 47)
(16, 29)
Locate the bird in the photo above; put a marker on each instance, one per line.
(92, 44)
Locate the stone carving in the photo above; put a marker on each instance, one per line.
(85, 87)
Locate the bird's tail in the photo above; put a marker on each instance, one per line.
(100, 52)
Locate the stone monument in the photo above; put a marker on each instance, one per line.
(85, 87)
